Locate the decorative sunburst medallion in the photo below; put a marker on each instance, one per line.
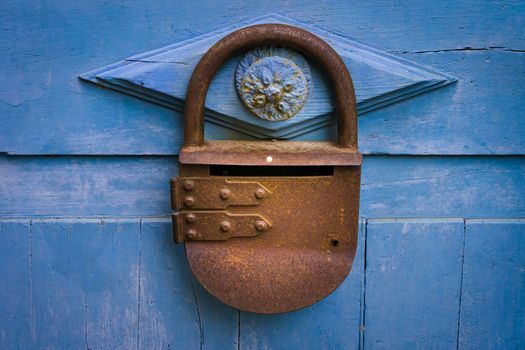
(273, 82)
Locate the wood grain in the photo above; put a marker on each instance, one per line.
(45, 109)
(86, 257)
(16, 292)
(493, 297)
(412, 283)
(479, 187)
(102, 283)
(162, 75)
(83, 295)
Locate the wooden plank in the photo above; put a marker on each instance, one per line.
(174, 311)
(475, 187)
(412, 283)
(15, 293)
(85, 186)
(493, 296)
(85, 275)
(58, 300)
(476, 115)
(111, 281)
(440, 122)
(333, 323)
(77, 285)
(443, 187)
(46, 103)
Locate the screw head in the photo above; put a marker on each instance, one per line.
(261, 225)
(190, 218)
(225, 193)
(191, 233)
(260, 193)
(225, 226)
(189, 201)
(188, 185)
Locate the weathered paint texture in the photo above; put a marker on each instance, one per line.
(413, 283)
(472, 187)
(380, 78)
(493, 295)
(47, 46)
(119, 283)
(86, 253)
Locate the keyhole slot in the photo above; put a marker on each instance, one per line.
(267, 171)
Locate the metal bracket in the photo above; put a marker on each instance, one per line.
(214, 193)
(196, 197)
(216, 225)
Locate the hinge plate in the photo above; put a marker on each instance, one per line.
(216, 225)
(214, 193)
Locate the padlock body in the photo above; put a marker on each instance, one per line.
(304, 253)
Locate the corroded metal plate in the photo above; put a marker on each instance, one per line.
(305, 255)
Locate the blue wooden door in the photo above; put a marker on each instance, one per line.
(90, 127)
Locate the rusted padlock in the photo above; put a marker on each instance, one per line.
(269, 226)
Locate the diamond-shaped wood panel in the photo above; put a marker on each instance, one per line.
(161, 76)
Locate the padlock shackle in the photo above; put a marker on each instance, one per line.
(279, 34)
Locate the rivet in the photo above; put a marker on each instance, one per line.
(260, 193)
(225, 193)
(189, 201)
(188, 185)
(225, 226)
(190, 218)
(261, 225)
(191, 233)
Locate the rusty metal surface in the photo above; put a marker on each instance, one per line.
(269, 153)
(215, 193)
(305, 255)
(216, 225)
(280, 34)
(310, 247)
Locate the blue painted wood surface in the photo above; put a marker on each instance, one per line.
(86, 257)
(84, 284)
(120, 283)
(162, 75)
(412, 283)
(15, 293)
(45, 109)
(479, 187)
(104, 284)
(493, 293)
